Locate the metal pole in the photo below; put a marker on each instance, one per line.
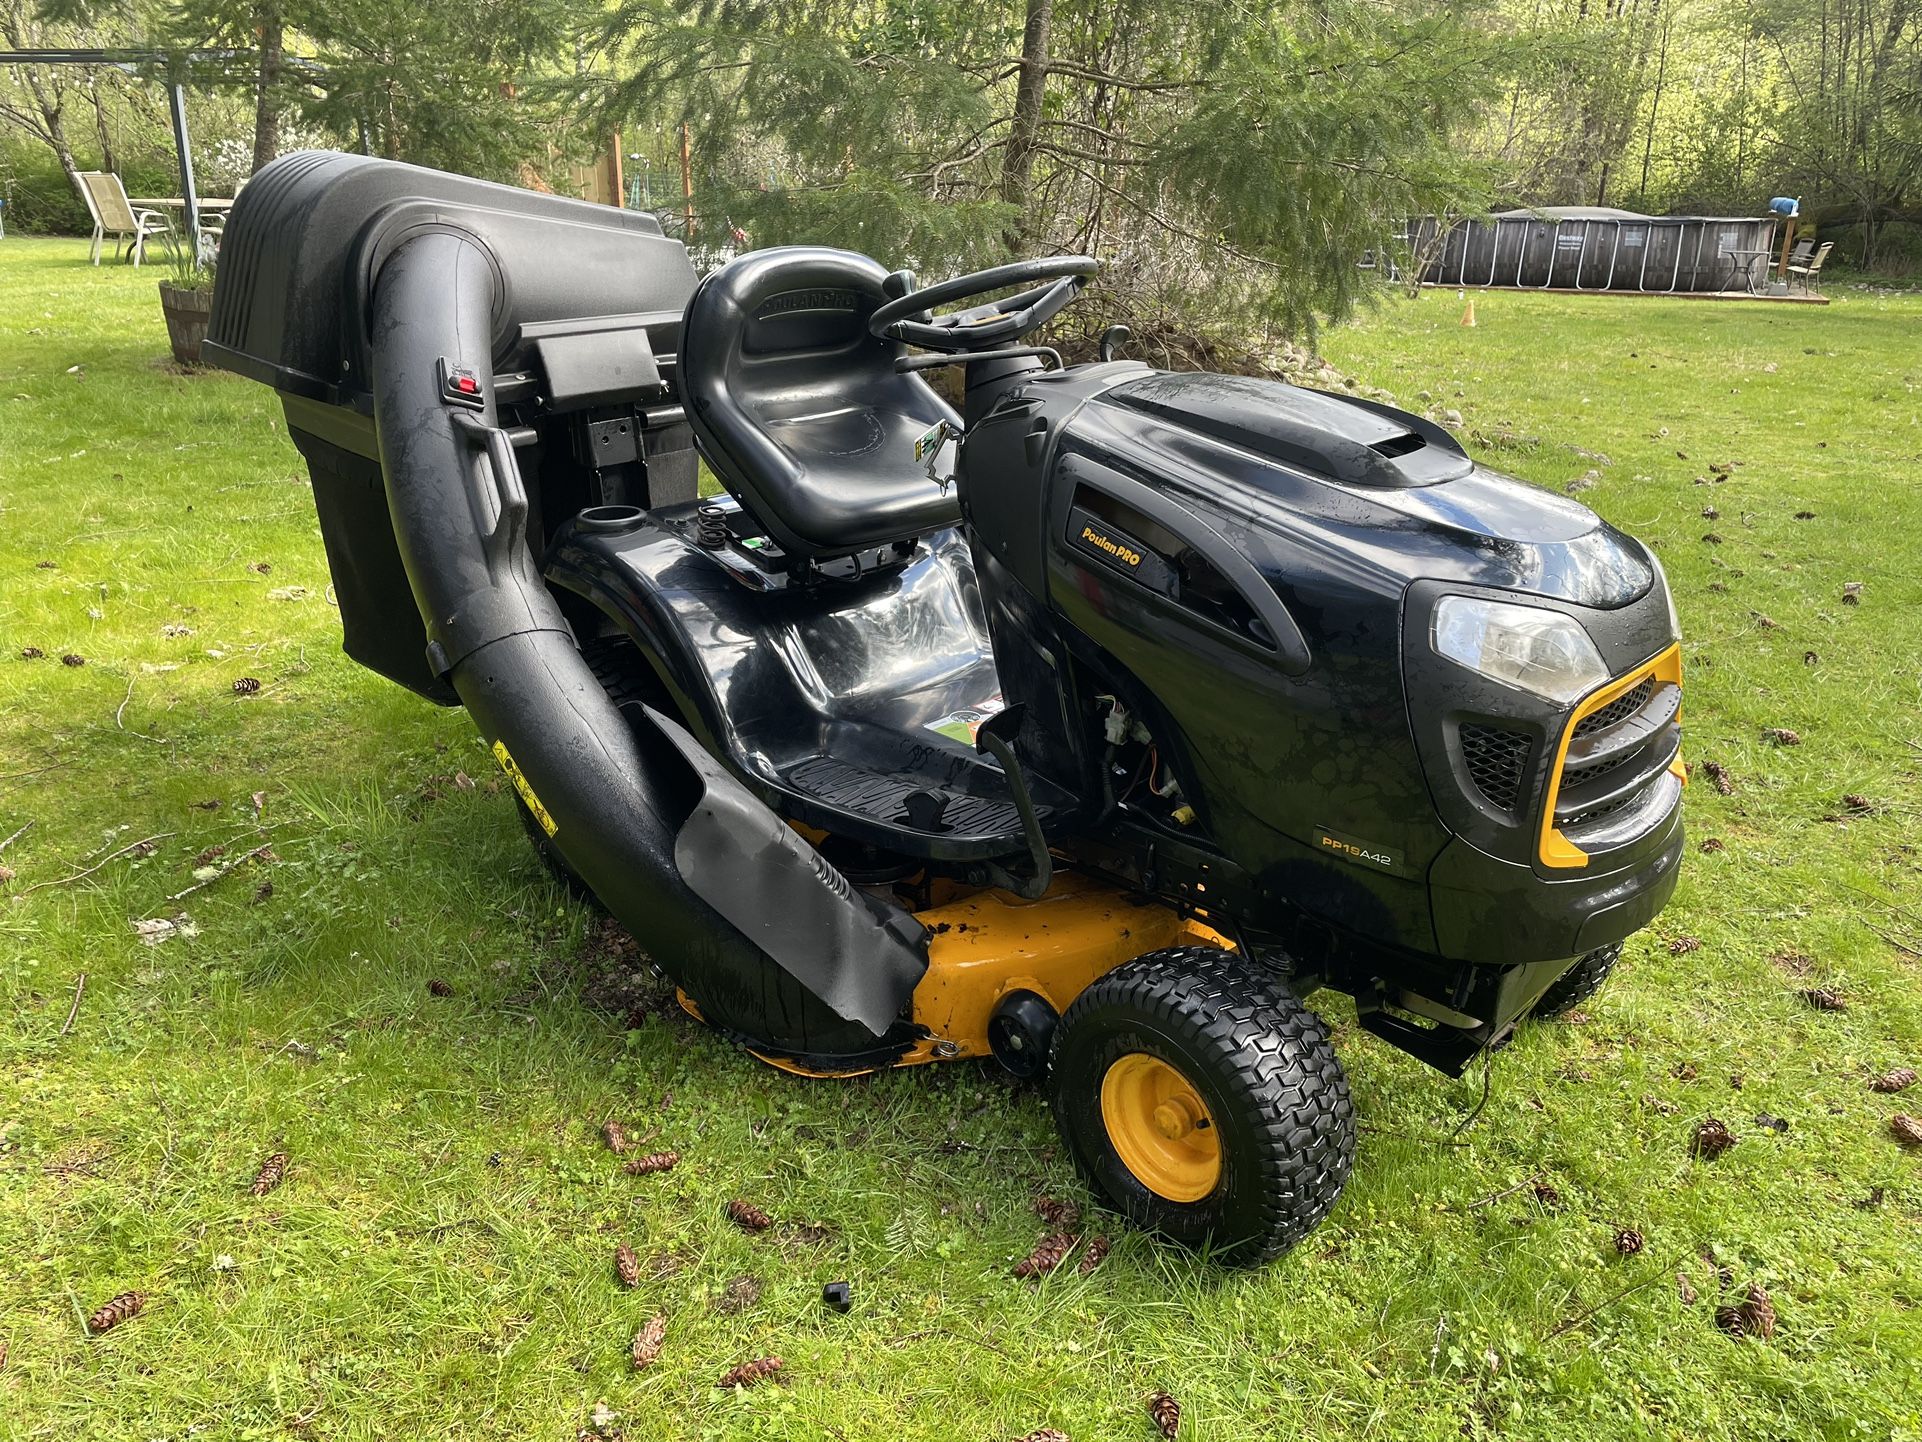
(177, 103)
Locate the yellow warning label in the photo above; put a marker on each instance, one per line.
(520, 784)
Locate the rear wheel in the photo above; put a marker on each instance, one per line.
(550, 856)
(1205, 1101)
(1578, 983)
(626, 677)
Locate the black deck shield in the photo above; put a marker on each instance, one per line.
(769, 938)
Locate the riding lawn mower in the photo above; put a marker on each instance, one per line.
(1088, 727)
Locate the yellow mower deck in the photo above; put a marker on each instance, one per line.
(986, 944)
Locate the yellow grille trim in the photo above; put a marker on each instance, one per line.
(1556, 849)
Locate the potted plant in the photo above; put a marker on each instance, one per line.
(186, 300)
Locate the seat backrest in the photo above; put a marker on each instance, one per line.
(83, 182)
(777, 341)
(110, 201)
(1821, 254)
(1803, 250)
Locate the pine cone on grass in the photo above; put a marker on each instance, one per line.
(1629, 1242)
(122, 1308)
(1712, 1138)
(751, 1374)
(1906, 1129)
(1825, 998)
(651, 1163)
(615, 1135)
(627, 1266)
(1096, 1254)
(437, 987)
(247, 686)
(1059, 1213)
(272, 1173)
(1050, 1252)
(748, 1217)
(1046, 1434)
(647, 1343)
(1901, 1079)
(1166, 1413)
(1754, 1316)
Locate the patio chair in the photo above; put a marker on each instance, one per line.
(1811, 269)
(113, 214)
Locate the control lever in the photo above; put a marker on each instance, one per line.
(995, 736)
(1113, 339)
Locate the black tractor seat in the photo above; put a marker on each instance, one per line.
(798, 409)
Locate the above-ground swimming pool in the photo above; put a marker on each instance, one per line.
(1583, 247)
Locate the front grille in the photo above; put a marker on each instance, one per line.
(1582, 775)
(1497, 761)
(1618, 710)
(1605, 810)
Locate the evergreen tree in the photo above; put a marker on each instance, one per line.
(1230, 154)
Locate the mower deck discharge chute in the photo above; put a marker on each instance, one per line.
(1088, 728)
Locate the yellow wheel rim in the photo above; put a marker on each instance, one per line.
(1160, 1127)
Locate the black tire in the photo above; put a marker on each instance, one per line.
(1578, 983)
(624, 674)
(550, 857)
(1261, 1063)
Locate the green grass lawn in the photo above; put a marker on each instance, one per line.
(438, 1261)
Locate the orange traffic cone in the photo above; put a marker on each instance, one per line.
(1468, 315)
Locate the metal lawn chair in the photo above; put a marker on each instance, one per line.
(1810, 270)
(115, 215)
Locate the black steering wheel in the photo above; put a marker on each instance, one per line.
(984, 327)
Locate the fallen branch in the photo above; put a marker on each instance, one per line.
(16, 836)
(1660, 1274)
(1492, 1197)
(112, 856)
(1907, 948)
(259, 853)
(120, 712)
(79, 990)
(36, 771)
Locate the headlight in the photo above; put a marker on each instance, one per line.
(1541, 651)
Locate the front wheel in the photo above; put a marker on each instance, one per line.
(1205, 1101)
(1578, 983)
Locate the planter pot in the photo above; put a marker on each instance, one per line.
(186, 312)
